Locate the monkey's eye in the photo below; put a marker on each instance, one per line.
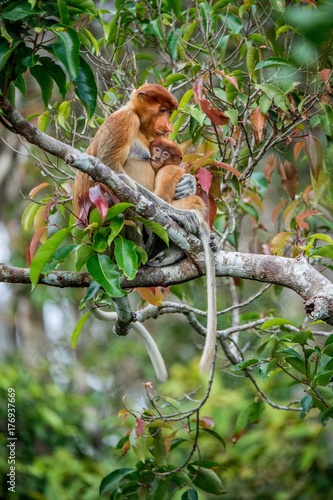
(163, 110)
(156, 149)
(166, 154)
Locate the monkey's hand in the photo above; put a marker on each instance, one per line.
(185, 187)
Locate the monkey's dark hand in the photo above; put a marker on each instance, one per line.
(185, 187)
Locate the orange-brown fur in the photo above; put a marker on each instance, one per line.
(122, 141)
(165, 156)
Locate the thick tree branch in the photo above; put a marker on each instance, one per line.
(296, 274)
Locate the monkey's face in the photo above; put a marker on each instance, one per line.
(159, 157)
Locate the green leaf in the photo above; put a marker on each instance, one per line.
(67, 50)
(86, 87)
(245, 364)
(64, 12)
(126, 256)
(325, 393)
(99, 243)
(277, 95)
(112, 480)
(278, 5)
(59, 256)
(297, 363)
(325, 251)
(5, 51)
(19, 10)
(174, 78)
(44, 254)
(271, 323)
(105, 272)
(63, 114)
(85, 6)
(44, 81)
(56, 72)
(28, 216)
(323, 377)
(190, 495)
(92, 291)
(116, 225)
(78, 328)
(207, 480)
(249, 209)
(216, 436)
(302, 337)
(306, 403)
(272, 62)
(159, 230)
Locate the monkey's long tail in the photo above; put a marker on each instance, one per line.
(208, 353)
(150, 344)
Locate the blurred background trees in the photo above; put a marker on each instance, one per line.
(255, 121)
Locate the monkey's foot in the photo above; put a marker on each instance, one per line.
(166, 257)
(214, 242)
(186, 219)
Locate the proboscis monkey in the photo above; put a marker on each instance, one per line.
(165, 157)
(122, 141)
(122, 144)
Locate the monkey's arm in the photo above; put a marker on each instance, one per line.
(113, 140)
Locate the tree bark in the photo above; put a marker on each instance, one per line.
(296, 274)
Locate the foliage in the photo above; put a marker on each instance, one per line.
(54, 447)
(255, 109)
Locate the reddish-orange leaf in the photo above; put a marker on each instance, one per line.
(38, 188)
(126, 447)
(258, 120)
(289, 178)
(305, 215)
(216, 116)
(314, 153)
(277, 209)
(298, 148)
(32, 247)
(225, 166)
(269, 167)
(197, 88)
(152, 295)
(139, 426)
(206, 422)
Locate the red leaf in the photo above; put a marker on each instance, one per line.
(205, 179)
(32, 247)
(36, 189)
(96, 195)
(139, 426)
(215, 115)
(289, 178)
(227, 167)
(304, 215)
(197, 88)
(258, 120)
(298, 148)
